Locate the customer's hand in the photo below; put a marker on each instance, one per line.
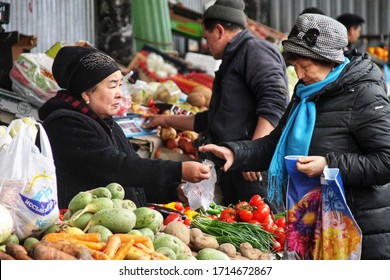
(194, 172)
(155, 120)
(312, 165)
(220, 152)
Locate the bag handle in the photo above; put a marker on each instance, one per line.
(44, 141)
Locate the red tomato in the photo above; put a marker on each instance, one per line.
(254, 222)
(280, 234)
(261, 213)
(241, 205)
(245, 215)
(268, 227)
(172, 217)
(187, 222)
(281, 222)
(179, 206)
(255, 200)
(228, 215)
(151, 102)
(277, 246)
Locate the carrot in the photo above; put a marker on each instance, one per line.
(153, 254)
(123, 250)
(137, 254)
(113, 244)
(93, 245)
(90, 237)
(76, 250)
(98, 255)
(17, 251)
(40, 251)
(4, 256)
(125, 237)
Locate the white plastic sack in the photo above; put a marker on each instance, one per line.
(201, 194)
(32, 78)
(28, 186)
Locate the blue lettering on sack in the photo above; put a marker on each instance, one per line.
(39, 207)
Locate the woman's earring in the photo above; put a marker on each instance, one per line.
(87, 102)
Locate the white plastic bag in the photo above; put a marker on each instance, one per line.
(201, 194)
(28, 186)
(32, 78)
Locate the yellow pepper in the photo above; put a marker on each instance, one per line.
(171, 205)
(191, 214)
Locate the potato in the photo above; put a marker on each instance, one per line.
(228, 249)
(202, 242)
(179, 230)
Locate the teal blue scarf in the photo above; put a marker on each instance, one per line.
(296, 136)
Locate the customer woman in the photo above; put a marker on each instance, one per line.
(89, 148)
(339, 116)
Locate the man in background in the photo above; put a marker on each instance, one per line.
(353, 23)
(250, 94)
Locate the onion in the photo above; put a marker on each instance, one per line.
(6, 224)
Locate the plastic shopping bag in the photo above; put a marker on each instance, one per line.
(320, 224)
(201, 194)
(28, 186)
(32, 78)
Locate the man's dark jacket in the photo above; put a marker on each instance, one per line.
(251, 82)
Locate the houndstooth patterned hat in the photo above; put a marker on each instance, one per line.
(318, 37)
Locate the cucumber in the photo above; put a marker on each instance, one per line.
(134, 232)
(211, 254)
(170, 241)
(28, 242)
(82, 219)
(95, 205)
(117, 203)
(129, 204)
(157, 223)
(104, 232)
(79, 201)
(147, 232)
(117, 191)
(101, 192)
(168, 252)
(184, 256)
(124, 203)
(115, 219)
(145, 216)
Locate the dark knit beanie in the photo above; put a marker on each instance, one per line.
(227, 10)
(78, 69)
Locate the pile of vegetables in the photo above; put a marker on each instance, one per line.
(100, 224)
(256, 212)
(236, 233)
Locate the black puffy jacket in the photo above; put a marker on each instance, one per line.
(352, 131)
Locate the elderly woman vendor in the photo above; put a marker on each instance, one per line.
(89, 148)
(339, 116)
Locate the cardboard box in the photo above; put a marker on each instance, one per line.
(25, 44)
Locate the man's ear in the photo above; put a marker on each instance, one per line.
(221, 30)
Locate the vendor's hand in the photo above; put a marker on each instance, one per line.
(155, 120)
(312, 165)
(251, 176)
(194, 172)
(220, 152)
